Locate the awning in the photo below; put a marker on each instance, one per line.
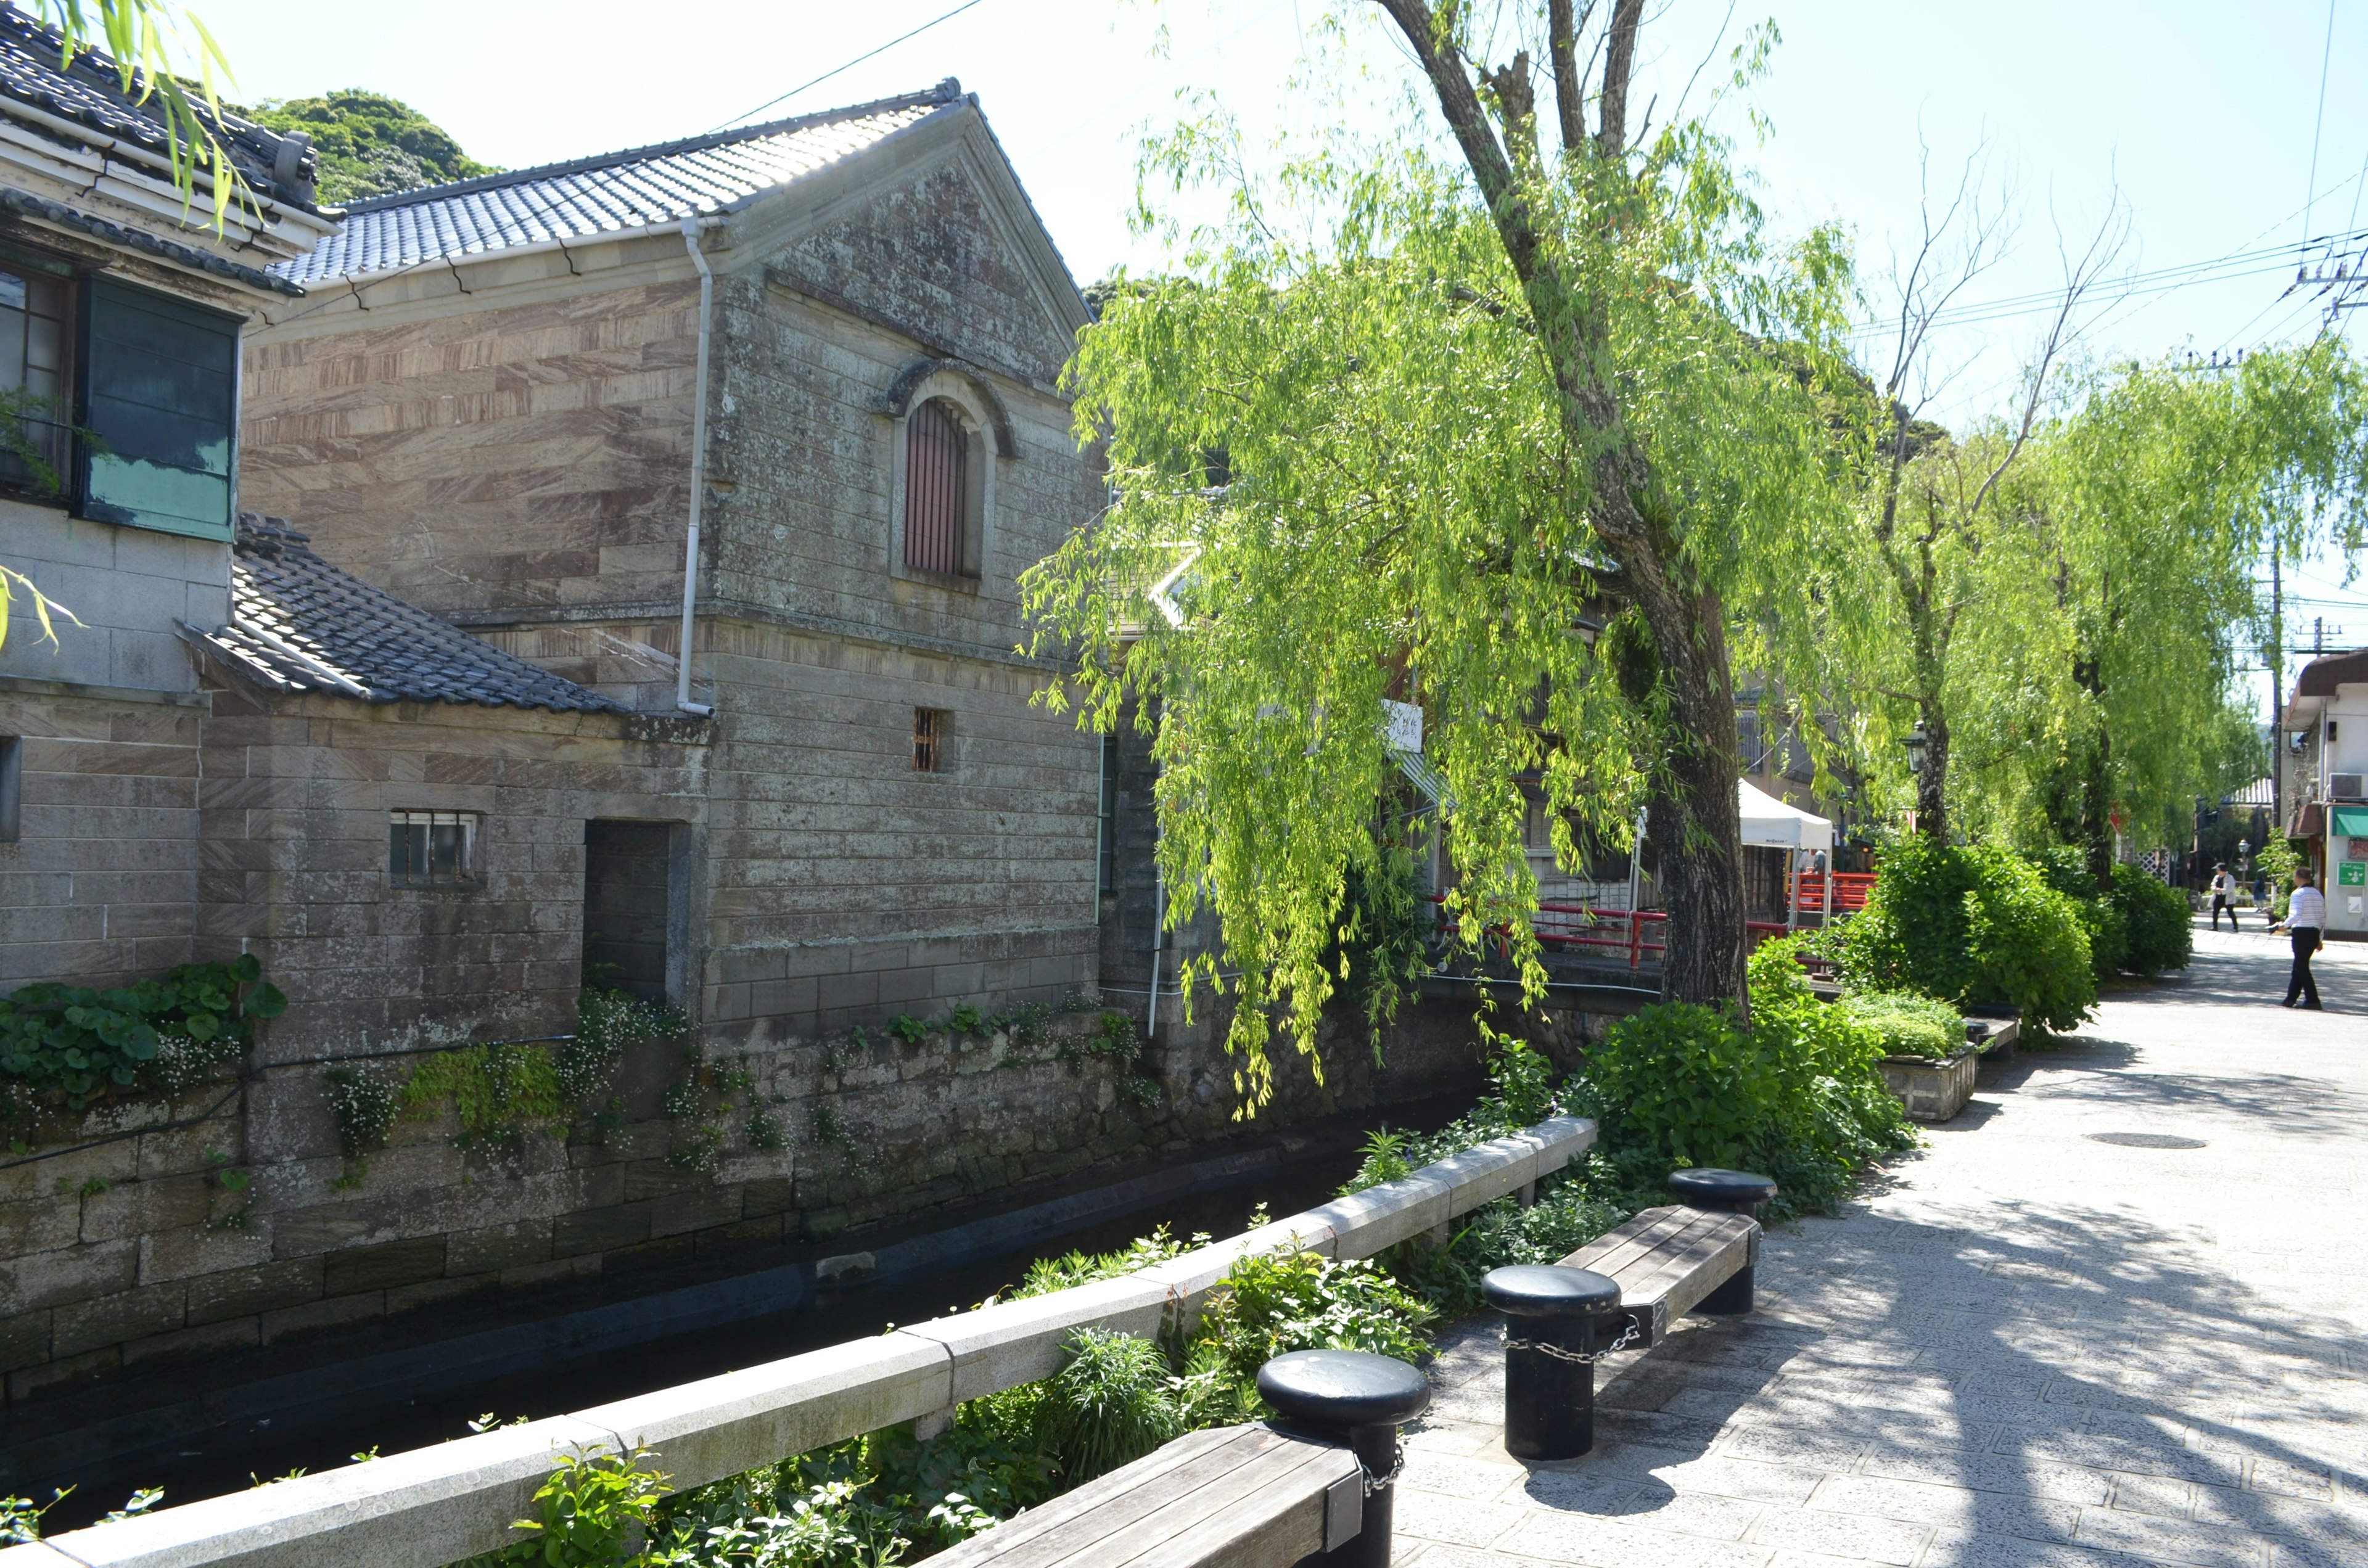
(2351, 822)
(1769, 823)
(1423, 776)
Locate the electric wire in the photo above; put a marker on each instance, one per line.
(838, 69)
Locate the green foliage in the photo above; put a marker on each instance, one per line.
(1270, 1305)
(1110, 1405)
(592, 1512)
(501, 1092)
(1046, 1275)
(369, 144)
(607, 1021)
(1523, 1094)
(2065, 869)
(2155, 921)
(1408, 484)
(1676, 1084)
(2278, 860)
(1972, 924)
(73, 1046)
(1565, 1218)
(1382, 947)
(909, 1030)
(1798, 1096)
(1907, 1024)
(2099, 672)
(703, 1100)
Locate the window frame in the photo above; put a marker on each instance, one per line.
(12, 788)
(64, 459)
(101, 293)
(468, 875)
(932, 729)
(980, 462)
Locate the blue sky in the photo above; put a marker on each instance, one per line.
(2205, 117)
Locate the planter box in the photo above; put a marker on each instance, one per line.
(1932, 1091)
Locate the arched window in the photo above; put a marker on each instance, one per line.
(941, 492)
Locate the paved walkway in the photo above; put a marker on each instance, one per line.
(2026, 1349)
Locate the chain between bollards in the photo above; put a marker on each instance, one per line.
(1577, 1357)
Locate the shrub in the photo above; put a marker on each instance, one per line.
(1270, 1304)
(1523, 1081)
(2155, 917)
(1906, 1024)
(1110, 1405)
(1799, 1095)
(1974, 925)
(1678, 1085)
(2065, 868)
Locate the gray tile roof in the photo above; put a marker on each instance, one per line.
(88, 92)
(300, 624)
(614, 191)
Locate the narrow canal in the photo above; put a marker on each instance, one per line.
(112, 1441)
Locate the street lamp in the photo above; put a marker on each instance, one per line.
(1919, 742)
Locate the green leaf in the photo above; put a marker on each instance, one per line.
(201, 1026)
(265, 1001)
(248, 969)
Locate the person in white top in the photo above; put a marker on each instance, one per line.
(2305, 922)
(2224, 890)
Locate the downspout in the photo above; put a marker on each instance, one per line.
(1159, 929)
(691, 226)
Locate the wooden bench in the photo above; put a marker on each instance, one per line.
(1229, 1497)
(1671, 1260)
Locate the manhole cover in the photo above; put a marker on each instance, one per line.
(2146, 1140)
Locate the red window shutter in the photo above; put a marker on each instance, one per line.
(934, 451)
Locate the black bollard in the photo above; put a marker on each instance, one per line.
(1357, 1398)
(1733, 1192)
(1561, 1319)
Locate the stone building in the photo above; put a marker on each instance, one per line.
(794, 388)
(118, 355)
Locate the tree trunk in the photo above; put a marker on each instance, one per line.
(1933, 784)
(1695, 815)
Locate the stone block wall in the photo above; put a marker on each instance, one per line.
(293, 811)
(226, 1218)
(126, 586)
(100, 886)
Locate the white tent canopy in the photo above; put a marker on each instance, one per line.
(1770, 823)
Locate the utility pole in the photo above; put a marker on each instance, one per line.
(2277, 693)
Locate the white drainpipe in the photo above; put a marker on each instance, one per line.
(690, 229)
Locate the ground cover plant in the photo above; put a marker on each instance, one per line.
(1906, 1024)
(72, 1046)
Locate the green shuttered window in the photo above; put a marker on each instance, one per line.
(160, 393)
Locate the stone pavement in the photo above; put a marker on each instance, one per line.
(2022, 1348)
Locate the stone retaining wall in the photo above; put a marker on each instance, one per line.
(432, 1507)
(245, 1226)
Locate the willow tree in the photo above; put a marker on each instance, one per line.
(2121, 598)
(1398, 424)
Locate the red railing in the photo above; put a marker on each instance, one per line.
(1578, 926)
(1850, 890)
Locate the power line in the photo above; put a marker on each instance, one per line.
(850, 65)
(2318, 127)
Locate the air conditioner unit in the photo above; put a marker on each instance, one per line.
(2346, 786)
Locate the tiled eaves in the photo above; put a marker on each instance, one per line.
(300, 624)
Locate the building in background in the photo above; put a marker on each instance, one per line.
(2325, 754)
(822, 353)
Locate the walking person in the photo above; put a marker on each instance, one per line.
(2305, 922)
(2224, 893)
